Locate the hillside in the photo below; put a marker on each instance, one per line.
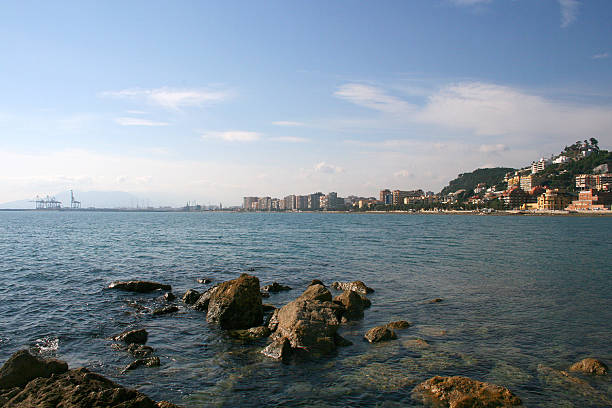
(564, 175)
(469, 181)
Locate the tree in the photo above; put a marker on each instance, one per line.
(594, 142)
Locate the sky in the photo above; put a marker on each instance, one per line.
(210, 101)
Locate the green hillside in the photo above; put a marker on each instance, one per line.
(564, 175)
(469, 181)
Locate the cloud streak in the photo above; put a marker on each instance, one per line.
(287, 123)
(373, 98)
(171, 98)
(233, 136)
(139, 122)
(323, 167)
(569, 11)
(601, 55)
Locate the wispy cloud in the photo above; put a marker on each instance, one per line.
(323, 167)
(374, 98)
(469, 2)
(172, 98)
(289, 139)
(601, 55)
(139, 122)
(233, 136)
(287, 123)
(569, 11)
(403, 173)
(492, 148)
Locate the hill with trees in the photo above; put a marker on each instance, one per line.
(469, 181)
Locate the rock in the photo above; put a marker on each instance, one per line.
(253, 333)
(380, 333)
(273, 322)
(436, 300)
(139, 286)
(169, 296)
(590, 366)
(204, 281)
(398, 325)
(22, 367)
(236, 304)
(140, 350)
(265, 294)
(146, 362)
(308, 324)
(202, 302)
(268, 307)
(166, 404)
(341, 341)
(251, 269)
(357, 286)
(275, 287)
(165, 310)
(463, 392)
(354, 303)
(562, 379)
(280, 350)
(191, 296)
(417, 344)
(51, 384)
(316, 282)
(133, 336)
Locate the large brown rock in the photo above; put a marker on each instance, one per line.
(380, 333)
(357, 286)
(138, 336)
(236, 304)
(306, 326)
(22, 367)
(463, 392)
(590, 366)
(354, 304)
(138, 286)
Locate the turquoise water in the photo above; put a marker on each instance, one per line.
(518, 292)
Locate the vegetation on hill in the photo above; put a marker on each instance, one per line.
(469, 181)
(564, 175)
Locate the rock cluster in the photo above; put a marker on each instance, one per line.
(590, 366)
(138, 286)
(357, 286)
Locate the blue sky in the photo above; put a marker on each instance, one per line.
(211, 101)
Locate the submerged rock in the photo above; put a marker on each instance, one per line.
(236, 304)
(590, 366)
(22, 367)
(436, 300)
(354, 304)
(398, 325)
(253, 333)
(463, 392)
(169, 296)
(78, 388)
(165, 310)
(204, 281)
(380, 333)
(357, 286)
(140, 350)
(138, 286)
(191, 296)
(133, 336)
(143, 362)
(275, 287)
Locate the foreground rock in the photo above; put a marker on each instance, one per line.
(236, 304)
(49, 383)
(354, 304)
(253, 333)
(165, 310)
(357, 286)
(143, 362)
(191, 296)
(275, 287)
(463, 392)
(139, 286)
(138, 336)
(590, 366)
(380, 333)
(306, 327)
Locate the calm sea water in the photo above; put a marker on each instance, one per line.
(518, 292)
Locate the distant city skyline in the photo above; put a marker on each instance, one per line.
(212, 102)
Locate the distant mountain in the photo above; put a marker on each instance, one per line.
(97, 199)
(469, 181)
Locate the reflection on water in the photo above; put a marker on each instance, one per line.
(523, 298)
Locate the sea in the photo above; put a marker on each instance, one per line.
(522, 299)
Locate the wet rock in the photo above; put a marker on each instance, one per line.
(268, 307)
(265, 294)
(202, 302)
(590, 366)
(236, 304)
(416, 344)
(341, 341)
(436, 300)
(166, 404)
(143, 362)
(398, 325)
(354, 303)
(251, 269)
(380, 333)
(169, 296)
(562, 379)
(280, 350)
(140, 350)
(78, 388)
(165, 310)
(463, 392)
(357, 286)
(22, 367)
(309, 324)
(273, 322)
(204, 281)
(138, 286)
(275, 287)
(316, 282)
(191, 296)
(253, 333)
(138, 336)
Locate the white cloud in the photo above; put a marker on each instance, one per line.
(323, 167)
(172, 98)
(403, 173)
(492, 148)
(374, 98)
(601, 55)
(290, 139)
(139, 122)
(233, 136)
(287, 123)
(569, 11)
(469, 2)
